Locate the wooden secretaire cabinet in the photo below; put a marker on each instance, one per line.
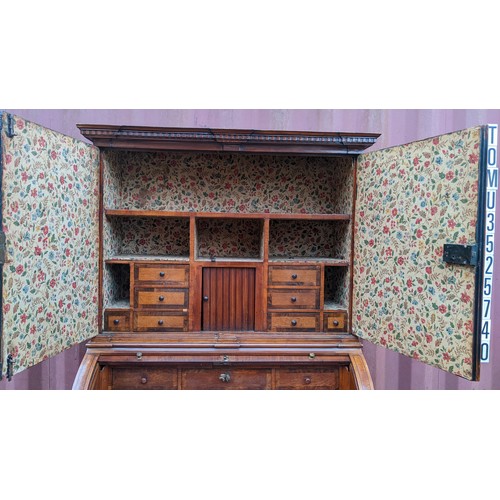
(238, 259)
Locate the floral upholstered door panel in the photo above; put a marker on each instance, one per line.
(50, 218)
(411, 200)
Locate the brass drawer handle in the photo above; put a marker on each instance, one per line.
(224, 377)
(116, 322)
(294, 322)
(161, 298)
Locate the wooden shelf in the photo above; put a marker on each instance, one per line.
(120, 259)
(309, 260)
(225, 215)
(330, 305)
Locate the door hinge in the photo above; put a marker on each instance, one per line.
(10, 365)
(463, 255)
(2, 248)
(10, 126)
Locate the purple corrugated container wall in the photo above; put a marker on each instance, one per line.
(389, 370)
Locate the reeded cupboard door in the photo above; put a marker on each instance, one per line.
(411, 201)
(228, 299)
(50, 218)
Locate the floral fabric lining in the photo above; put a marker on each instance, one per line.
(50, 218)
(411, 201)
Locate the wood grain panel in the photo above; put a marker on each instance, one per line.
(288, 322)
(161, 298)
(117, 321)
(228, 299)
(307, 378)
(293, 299)
(224, 378)
(177, 276)
(144, 377)
(294, 275)
(160, 322)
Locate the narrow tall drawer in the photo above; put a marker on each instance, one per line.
(144, 377)
(307, 378)
(116, 320)
(293, 299)
(161, 298)
(165, 275)
(289, 322)
(335, 321)
(224, 378)
(160, 322)
(294, 275)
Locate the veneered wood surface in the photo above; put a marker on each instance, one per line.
(228, 299)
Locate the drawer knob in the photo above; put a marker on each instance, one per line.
(161, 298)
(294, 299)
(294, 276)
(335, 323)
(205, 299)
(116, 322)
(307, 380)
(294, 322)
(144, 380)
(160, 322)
(139, 355)
(312, 355)
(224, 377)
(162, 274)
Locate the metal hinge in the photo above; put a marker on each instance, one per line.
(2, 248)
(10, 126)
(10, 364)
(463, 255)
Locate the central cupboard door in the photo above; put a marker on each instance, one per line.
(228, 299)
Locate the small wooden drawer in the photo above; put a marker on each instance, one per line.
(289, 322)
(226, 378)
(117, 321)
(144, 377)
(160, 298)
(307, 378)
(176, 276)
(160, 322)
(294, 275)
(293, 299)
(335, 321)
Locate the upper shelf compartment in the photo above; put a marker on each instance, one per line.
(227, 183)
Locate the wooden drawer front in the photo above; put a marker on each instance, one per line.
(164, 322)
(177, 276)
(294, 275)
(307, 378)
(226, 378)
(293, 299)
(289, 322)
(144, 377)
(161, 298)
(335, 321)
(117, 321)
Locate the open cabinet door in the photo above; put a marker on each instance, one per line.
(50, 210)
(408, 294)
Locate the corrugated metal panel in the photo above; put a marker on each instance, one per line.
(389, 370)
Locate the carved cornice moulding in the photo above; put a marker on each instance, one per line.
(212, 140)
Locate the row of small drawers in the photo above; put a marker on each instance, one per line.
(301, 296)
(202, 378)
